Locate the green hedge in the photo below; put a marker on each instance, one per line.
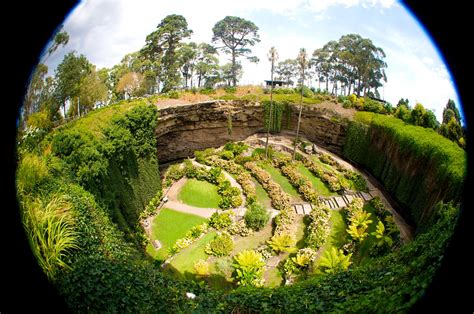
(416, 165)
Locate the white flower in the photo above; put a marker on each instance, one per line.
(190, 295)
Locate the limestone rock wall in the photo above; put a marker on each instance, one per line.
(183, 129)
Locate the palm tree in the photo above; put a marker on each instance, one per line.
(302, 60)
(272, 57)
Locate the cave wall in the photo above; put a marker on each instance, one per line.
(183, 129)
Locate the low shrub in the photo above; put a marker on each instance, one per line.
(222, 245)
(318, 227)
(239, 227)
(256, 216)
(201, 268)
(220, 221)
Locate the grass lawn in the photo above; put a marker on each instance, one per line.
(262, 196)
(281, 180)
(252, 241)
(273, 278)
(338, 235)
(183, 262)
(318, 185)
(168, 226)
(199, 194)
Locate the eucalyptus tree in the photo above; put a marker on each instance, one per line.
(303, 62)
(272, 57)
(287, 70)
(207, 65)
(187, 56)
(236, 35)
(70, 74)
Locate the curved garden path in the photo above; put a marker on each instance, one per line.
(175, 204)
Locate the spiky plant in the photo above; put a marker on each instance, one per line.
(249, 268)
(50, 229)
(334, 261)
(282, 243)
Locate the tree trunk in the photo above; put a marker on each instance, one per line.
(234, 78)
(299, 116)
(270, 115)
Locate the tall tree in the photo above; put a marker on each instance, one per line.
(302, 65)
(207, 65)
(129, 84)
(236, 35)
(287, 70)
(163, 44)
(187, 55)
(451, 111)
(69, 75)
(93, 90)
(272, 57)
(32, 98)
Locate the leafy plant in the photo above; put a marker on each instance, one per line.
(334, 261)
(201, 267)
(50, 229)
(220, 221)
(249, 268)
(304, 257)
(282, 243)
(222, 245)
(382, 238)
(256, 216)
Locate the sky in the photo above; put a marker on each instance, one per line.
(106, 30)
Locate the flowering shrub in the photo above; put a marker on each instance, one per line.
(243, 177)
(240, 228)
(319, 227)
(328, 177)
(201, 267)
(191, 236)
(304, 186)
(284, 221)
(327, 159)
(280, 200)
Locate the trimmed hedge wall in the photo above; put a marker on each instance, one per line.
(416, 165)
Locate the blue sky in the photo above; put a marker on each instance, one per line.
(106, 30)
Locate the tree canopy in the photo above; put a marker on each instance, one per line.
(236, 35)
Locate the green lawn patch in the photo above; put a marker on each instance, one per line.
(281, 180)
(338, 235)
(318, 185)
(184, 261)
(169, 226)
(252, 241)
(199, 194)
(262, 195)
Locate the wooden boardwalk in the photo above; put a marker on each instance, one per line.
(334, 202)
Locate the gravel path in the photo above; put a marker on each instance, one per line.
(175, 204)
